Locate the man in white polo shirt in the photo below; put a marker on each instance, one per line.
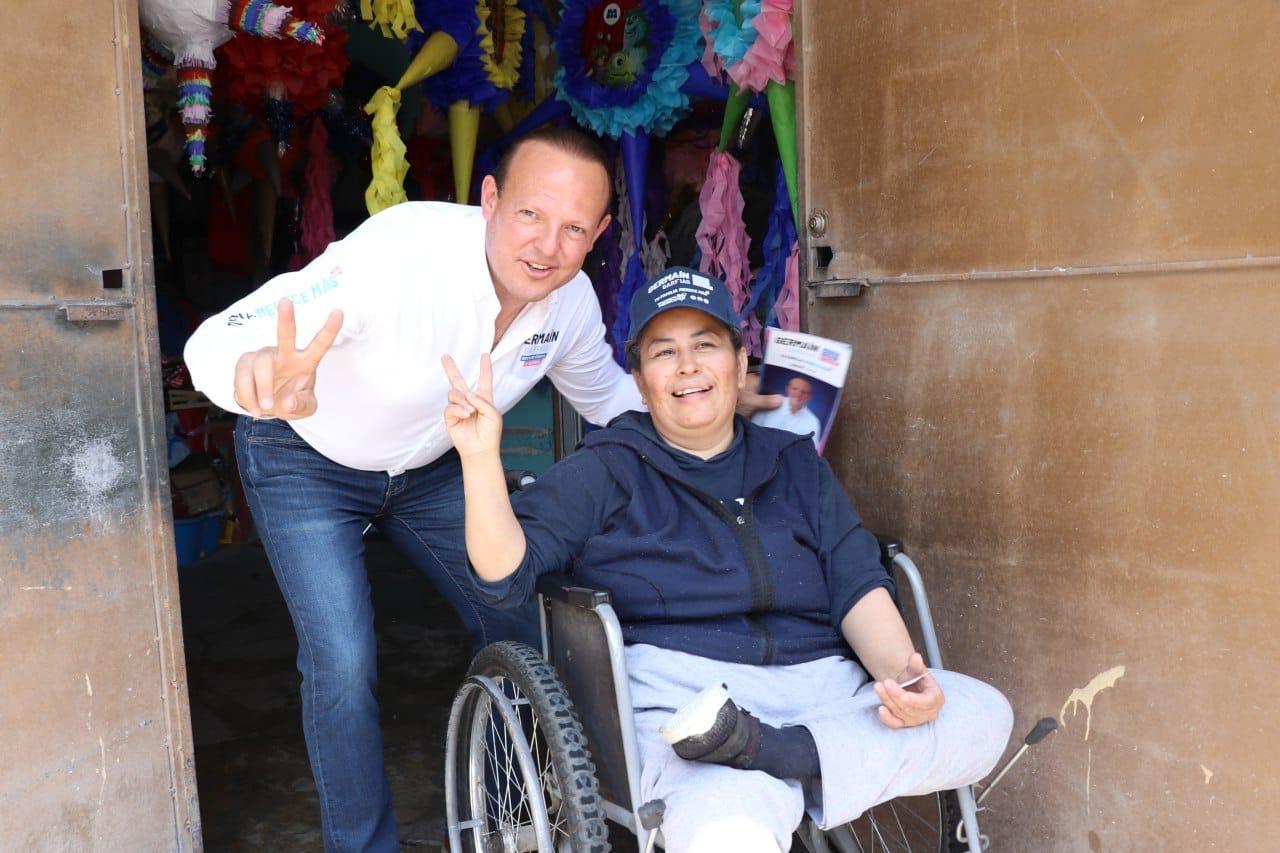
(348, 428)
(795, 416)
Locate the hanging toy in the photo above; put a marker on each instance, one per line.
(191, 30)
(284, 79)
(317, 202)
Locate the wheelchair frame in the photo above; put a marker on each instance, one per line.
(582, 639)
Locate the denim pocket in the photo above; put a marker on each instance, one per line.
(272, 431)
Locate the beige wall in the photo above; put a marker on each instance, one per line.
(1065, 395)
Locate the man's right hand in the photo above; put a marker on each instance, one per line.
(279, 381)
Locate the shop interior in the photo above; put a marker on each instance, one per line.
(262, 152)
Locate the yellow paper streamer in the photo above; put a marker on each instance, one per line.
(387, 158)
(503, 75)
(395, 18)
(464, 126)
(388, 153)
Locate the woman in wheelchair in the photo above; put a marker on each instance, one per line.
(742, 577)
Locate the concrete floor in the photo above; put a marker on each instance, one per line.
(255, 785)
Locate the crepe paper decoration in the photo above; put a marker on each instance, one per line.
(394, 18)
(721, 235)
(502, 52)
(637, 87)
(195, 96)
(388, 161)
(489, 36)
(387, 156)
(317, 201)
(733, 30)
(304, 32)
(787, 309)
(754, 40)
(772, 55)
(771, 278)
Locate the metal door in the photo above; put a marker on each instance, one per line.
(1050, 232)
(95, 746)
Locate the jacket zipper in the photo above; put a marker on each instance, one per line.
(743, 527)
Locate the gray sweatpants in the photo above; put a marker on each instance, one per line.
(715, 808)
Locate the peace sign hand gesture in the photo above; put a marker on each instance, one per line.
(473, 422)
(279, 381)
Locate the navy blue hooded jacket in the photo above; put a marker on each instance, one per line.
(762, 579)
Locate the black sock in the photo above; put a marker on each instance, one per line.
(787, 753)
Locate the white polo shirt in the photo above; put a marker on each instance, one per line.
(802, 422)
(413, 284)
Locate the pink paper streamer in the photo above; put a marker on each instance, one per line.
(317, 206)
(787, 308)
(722, 235)
(751, 336)
(773, 54)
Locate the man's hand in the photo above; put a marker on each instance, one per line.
(279, 381)
(473, 422)
(914, 705)
(751, 400)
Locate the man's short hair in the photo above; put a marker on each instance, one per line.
(633, 348)
(565, 139)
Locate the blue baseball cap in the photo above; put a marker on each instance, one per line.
(681, 287)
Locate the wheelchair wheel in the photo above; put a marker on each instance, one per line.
(908, 824)
(905, 825)
(518, 774)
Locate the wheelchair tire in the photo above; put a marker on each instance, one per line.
(492, 804)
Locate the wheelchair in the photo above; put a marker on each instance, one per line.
(541, 747)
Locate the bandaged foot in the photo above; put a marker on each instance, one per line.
(711, 727)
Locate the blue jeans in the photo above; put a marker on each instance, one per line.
(310, 513)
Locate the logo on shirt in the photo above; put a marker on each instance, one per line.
(536, 348)
(312, 292)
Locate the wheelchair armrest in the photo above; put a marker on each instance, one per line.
(560, 587)
(518, 479)
(890, 547)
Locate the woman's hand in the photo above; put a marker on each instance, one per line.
(473, 422)
(914, 705)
